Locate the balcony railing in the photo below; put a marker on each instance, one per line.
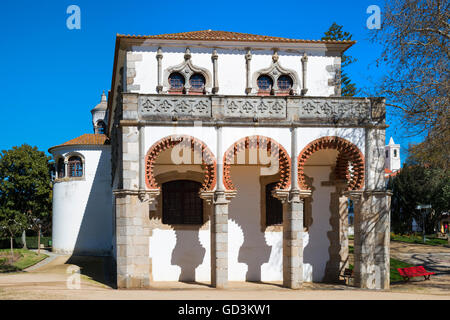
(278, 108)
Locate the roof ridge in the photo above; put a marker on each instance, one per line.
(217, 35)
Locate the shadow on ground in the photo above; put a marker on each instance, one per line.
(99, 269)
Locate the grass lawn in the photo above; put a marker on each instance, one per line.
(417, 238)
(22, 259)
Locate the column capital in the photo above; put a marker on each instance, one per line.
(287, 196)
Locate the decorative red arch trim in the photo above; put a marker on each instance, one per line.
(209, 163)
(257, 142)
(348, 152)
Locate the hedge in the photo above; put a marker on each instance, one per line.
(32, 242)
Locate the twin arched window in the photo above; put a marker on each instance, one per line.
(177, 82)
(265, 84)
(75, 167)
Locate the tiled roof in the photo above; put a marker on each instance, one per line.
(212, 35)
(86, 139)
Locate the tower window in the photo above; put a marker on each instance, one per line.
(264, 83)
(176, 81)
(61, 168)
(284, 83)
(75, 167)
(101, 127)
(395, 153)
(274, 208)
(181, 202)
(197, 82)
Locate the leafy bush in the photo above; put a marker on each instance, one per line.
(32, 242)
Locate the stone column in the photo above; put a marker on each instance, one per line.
(219, 225)
(293, 240)
(304, 74)
(371, 244)
(219, 241)
(293, 208)
(248, 85)
(132, 232)
(338, 236)
(159, 57)
(214, 58)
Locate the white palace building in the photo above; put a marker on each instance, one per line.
(223, 156)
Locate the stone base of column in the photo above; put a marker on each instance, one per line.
(132, 240)
(293, 241)
(372, 221)
(219, 241)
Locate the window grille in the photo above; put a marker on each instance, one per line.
(182, 203)
(176, 81)
(284, 83)
(264, 83)
(274, 207)
(75, 166)
(197, 82)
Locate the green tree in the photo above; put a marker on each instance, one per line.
(335, 33)
(25, 189)
(414, 185)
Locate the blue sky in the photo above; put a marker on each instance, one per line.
(52, 76)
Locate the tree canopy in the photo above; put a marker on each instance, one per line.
(335, 33)
(25, 188)
(414, 36)
(414, 185)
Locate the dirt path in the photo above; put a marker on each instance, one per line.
(50, 281)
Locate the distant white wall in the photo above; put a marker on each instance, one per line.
(82, 209)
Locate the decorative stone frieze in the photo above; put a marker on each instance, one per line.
(262, 108)
(333, 108)
(178, 107)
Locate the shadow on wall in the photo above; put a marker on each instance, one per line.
(93, 247)
(246, 212)
(188, 253)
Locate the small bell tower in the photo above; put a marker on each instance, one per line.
(392, 150)
(99, 115)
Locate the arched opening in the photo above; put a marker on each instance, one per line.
(255, 166)
(101, 127)
(284, 83)
(176, 82)
(61, 168)
(328, 166)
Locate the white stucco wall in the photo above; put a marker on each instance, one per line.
(232, 67)
(82, 209)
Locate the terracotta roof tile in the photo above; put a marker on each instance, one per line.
(86, 139)
(212, 35)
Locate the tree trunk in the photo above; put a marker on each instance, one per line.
(12, 250)
(39, 240)
(24, 239)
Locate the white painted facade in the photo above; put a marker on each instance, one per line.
(393, 160)
(231, 67)
(82, 207)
